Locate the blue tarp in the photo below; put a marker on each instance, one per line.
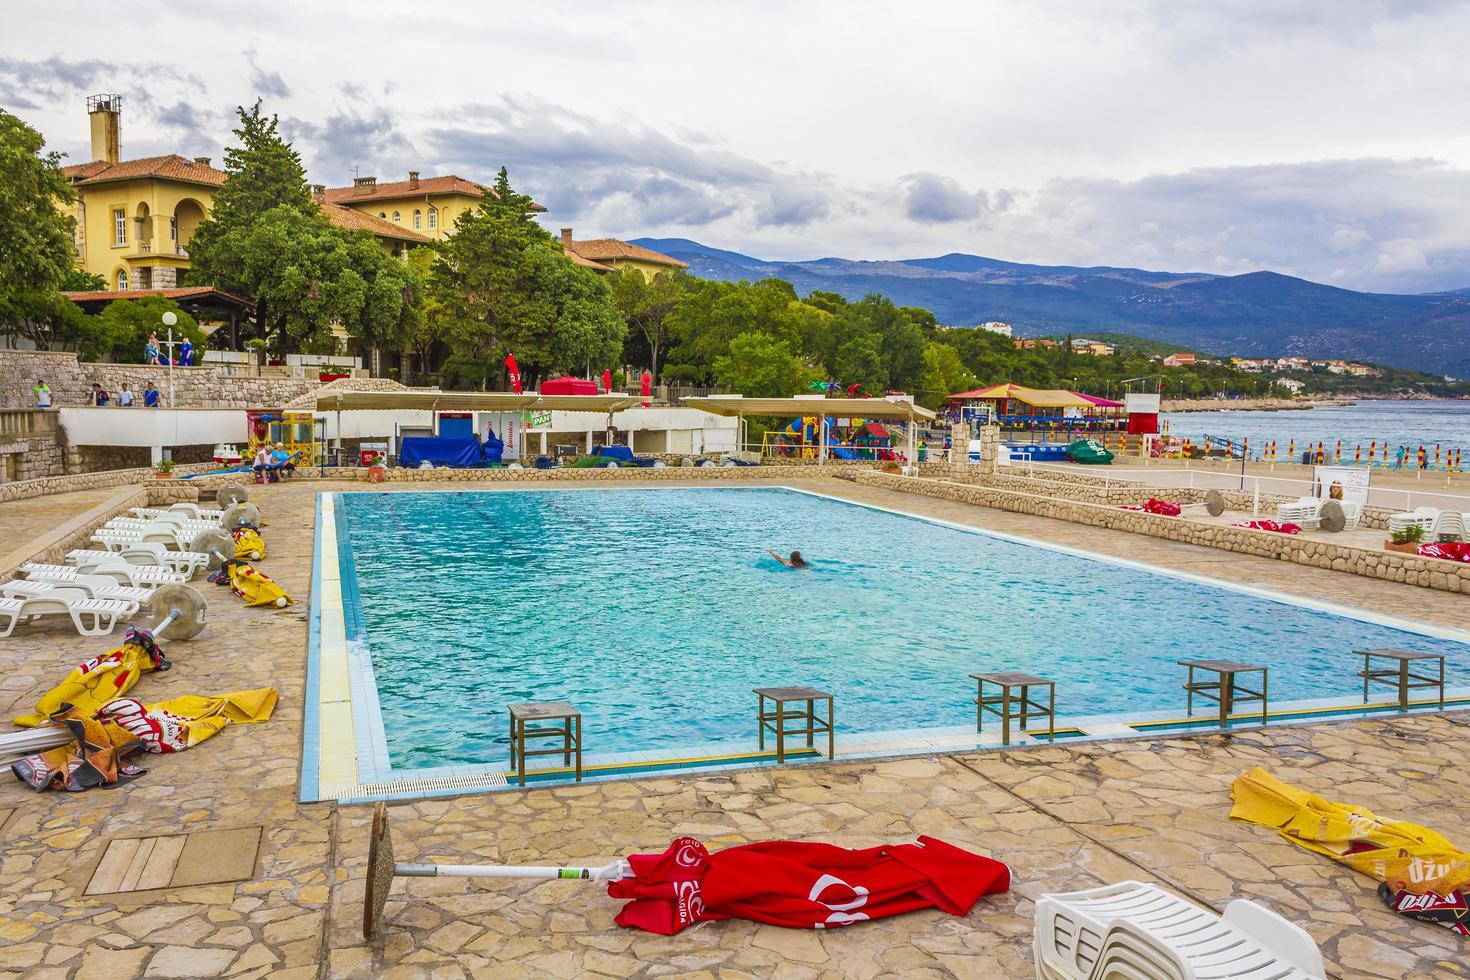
(615, 452)
(494, 448)
(441, 452)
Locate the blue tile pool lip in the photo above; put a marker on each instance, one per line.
(377, 779)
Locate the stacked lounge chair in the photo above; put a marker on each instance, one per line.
(1423, 517)
(91, 617)
(87, 586)
(122, 573)
(1448, 526)
(1306, 513)
(1134, 931)
(151, 553)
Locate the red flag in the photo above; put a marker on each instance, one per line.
(515, 373)
(606, 381)
(645, 386)
(801, 885)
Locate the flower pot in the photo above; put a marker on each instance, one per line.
(1403, 548)
(163, 474)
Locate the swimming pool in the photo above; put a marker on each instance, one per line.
(656, 611)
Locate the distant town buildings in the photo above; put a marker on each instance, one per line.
(1180, 360)
(1290, 384)
(1035, 342)
(1094, 347)
(995, 326)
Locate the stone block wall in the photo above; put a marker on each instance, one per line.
(1429, 573)
(194, 387)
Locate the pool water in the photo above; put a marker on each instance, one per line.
(657, 611)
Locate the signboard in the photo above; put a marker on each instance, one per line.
(1346, 483)
(1144, 404)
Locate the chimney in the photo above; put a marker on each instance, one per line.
(319, 193)
(202, 160)
(413, 179)
(566, 238)
(364, 185)
(106, 115)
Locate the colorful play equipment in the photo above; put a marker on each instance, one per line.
(860, 439)
(295, 431)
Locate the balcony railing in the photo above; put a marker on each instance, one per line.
(16, 423)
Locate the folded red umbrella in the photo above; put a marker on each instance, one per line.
(1448, 550)
(1266, 524)
(801, 885)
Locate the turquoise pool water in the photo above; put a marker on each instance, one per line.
(657, 611)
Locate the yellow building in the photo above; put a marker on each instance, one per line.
(612, 254)
(429, 206)
(134, 218)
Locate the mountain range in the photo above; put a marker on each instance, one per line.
(1251, 315)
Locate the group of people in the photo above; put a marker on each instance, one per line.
(101, 397)
(152, 352)
(271, 465)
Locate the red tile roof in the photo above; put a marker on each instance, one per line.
(355, 220)
(400, 190)
(183, 292)
(171, 167)
(614, 249)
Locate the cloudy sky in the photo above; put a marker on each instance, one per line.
(1322, 138)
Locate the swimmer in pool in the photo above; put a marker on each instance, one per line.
(795, 561)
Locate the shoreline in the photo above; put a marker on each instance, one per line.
(1251, 404)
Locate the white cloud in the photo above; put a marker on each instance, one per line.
(1318, 137)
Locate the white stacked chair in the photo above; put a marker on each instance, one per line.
(1306, 513)
(1352, 514)
(1448, 526)
(192, 511)
(1423, 516)
(1134, 931)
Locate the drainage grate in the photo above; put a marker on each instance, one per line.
(175, 861)
(392, 788)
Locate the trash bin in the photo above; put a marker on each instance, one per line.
(1308, 457)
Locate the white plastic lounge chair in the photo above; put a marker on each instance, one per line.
(1352, 514)
(1422, 516)
(1305, 513)
(91, 617)
(141, 553)
(1134, 930)
(1448, 526)
(118, 571)
(116, 539)
(192, 511)
(80, 586)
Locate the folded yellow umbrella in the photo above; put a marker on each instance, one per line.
(256, 587)
(95, 682)
(1405, 855)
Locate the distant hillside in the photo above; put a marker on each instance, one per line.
(1255, 314)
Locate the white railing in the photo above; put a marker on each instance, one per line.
(1201, 479)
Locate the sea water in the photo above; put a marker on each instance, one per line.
(657, 612)
(1400, 423)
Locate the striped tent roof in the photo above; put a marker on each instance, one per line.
(1035, 397)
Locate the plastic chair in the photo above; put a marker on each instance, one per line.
(1135, 931)
(91, 617)
(1448, 526)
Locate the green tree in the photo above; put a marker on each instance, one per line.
(860, 362)
(122, 328)
(37, 254)
(586, 330)
(646, 305)
(944, 374)
(760, 365)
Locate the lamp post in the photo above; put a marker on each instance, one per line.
(169, 319)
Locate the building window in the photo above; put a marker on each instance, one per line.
(122, 280)
(418, 219)
(173, 229)
(119, 227)
(395, 218)
(433, 218)
(382, 214)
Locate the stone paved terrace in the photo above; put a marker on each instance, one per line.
(1063, 817)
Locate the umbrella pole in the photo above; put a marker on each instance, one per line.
(381, 871)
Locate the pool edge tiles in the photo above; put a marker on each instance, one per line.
(345, 756)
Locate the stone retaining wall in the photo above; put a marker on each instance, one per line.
(194, 387)
(1429, 573)
(26, 489)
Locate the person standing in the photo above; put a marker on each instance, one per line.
(125, 396)
(43, 393)
(186, 353)
(150, 396)
(150, 349)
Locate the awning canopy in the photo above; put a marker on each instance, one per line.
(471, 401)
(865, 408)
(1099, 402)
(1035, 397)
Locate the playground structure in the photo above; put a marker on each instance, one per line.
(858, 439)
(295, 431)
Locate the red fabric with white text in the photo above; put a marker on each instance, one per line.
(801, 885)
